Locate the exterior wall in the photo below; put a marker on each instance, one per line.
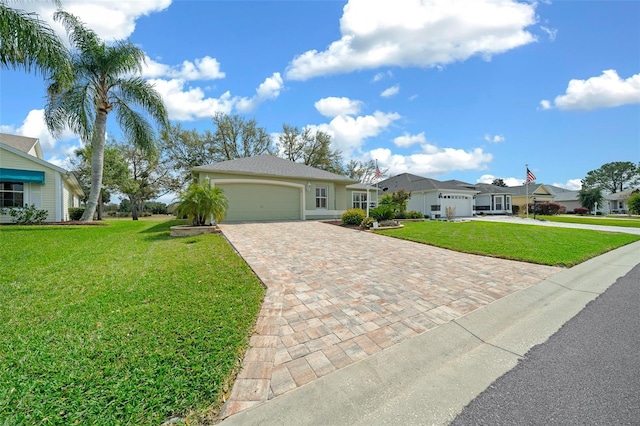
(520, 201)
(43, 196)
(569, 205)
(488, 204)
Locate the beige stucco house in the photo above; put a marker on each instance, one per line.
(26, 179)
(266, 187)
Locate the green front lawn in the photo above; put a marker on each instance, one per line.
(528, 243)
(119, 324)
(629, 222)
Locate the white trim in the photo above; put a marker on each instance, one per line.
(59, 199)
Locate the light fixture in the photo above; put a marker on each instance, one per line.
(308, 186)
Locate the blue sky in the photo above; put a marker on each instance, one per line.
(448, 89)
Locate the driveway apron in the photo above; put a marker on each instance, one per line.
(336, 296)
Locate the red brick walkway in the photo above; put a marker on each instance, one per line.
(336, 296)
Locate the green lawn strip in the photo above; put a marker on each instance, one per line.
(119, 324)
(528, 243)
(631, 222)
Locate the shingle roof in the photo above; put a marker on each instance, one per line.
(21, 143)
(522, 190)
(268, 165)
(412, 183)
(487, 188)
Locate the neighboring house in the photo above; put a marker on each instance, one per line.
(534, 190)
(25, 179)
(616, 203)
(493, 199)
(432, 197)
(271, 188)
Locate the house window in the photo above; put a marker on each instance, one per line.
(321, 197)
(507, 203)
(359, 200)
(498, 203)
(11, 194)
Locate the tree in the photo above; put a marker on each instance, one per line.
(364, 171)
(613, 177)
(236, 137)
(103, 81)
(200, 202)
(146, 177)
(309, 148)
(590, 197)
(186, 149)
(27, 42)
(499, 182)
(634, 203)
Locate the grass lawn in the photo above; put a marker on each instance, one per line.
(528, 243)
(119, 324)
(629, 222)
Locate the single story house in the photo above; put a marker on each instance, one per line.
(616, 203)
(432, 197)
(565, 197)
(26, 179)
(266, 187)
(493, 199)
(534, 190)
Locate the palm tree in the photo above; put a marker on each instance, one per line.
(590, 197)
(103, 81)
(200, 202)
(27, 42)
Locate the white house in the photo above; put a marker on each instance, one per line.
(25, 179)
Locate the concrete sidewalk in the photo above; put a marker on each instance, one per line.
(428, 379)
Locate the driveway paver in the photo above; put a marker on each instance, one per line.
(336, 296)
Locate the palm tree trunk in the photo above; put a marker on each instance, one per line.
(97, 164)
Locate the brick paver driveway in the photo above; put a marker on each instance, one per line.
(336, 296)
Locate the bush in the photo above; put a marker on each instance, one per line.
(75, 213)
(400, 215)
(367, 223)
(414, 214)
(27, 215)
(353, 217)
(388, 223)
(634, 203)
(382, 212)
(515, 209)
(581, 210)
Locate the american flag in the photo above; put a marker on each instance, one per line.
(530, 176)
(378, 174)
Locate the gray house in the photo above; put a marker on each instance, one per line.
(271, 188)
(493, 199)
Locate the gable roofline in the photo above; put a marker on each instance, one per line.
(415, 183)
(22, 143)
(270, 165)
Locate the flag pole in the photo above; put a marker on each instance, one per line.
(526, 184)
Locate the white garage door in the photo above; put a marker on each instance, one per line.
(255, 202)
(462, 203)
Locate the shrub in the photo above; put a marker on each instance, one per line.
(400, 215)
(382, 212)
(515, 209)
(547, 209)
(75, 213)
(367, 222)
(353, 217)
(202, 201)
(581, 210)
(27, 215)
(634, 203)
(414, 214)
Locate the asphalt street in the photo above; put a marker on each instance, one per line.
(586, 373)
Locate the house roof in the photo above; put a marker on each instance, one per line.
(269, 165)
(622, 194)
(22, 143)
(487, 188)
(534, 189)
(413, 183)
(566, 196)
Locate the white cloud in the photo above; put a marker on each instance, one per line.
(510, 181)
(432, 161)
(110, 20)
(189, 103)
(333, 106)
(206, 68)
(427, 33)
(269, 89)
(551, 32)
(408, 140)
(391, 91)
(571, 184)
(381, 75)
(494, 138)
(348, 133)
(605, 91)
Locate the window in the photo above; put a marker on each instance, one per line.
(507, 203)
(321, 197)
(499, 203)
(359, 200)
(11, 194)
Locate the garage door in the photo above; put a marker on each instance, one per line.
(462, 204)
(249, 202)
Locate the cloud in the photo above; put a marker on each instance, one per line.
(510, 181)
(432, 161)
(551, 32)
(381, 75)
(378, 33)
(349, 133)
(110, 20)
(494, 138)
(571, 184)
(269, 89)
(605, 91)
(206, 68)
(333, 106)
(391, 91)
(408, 140)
